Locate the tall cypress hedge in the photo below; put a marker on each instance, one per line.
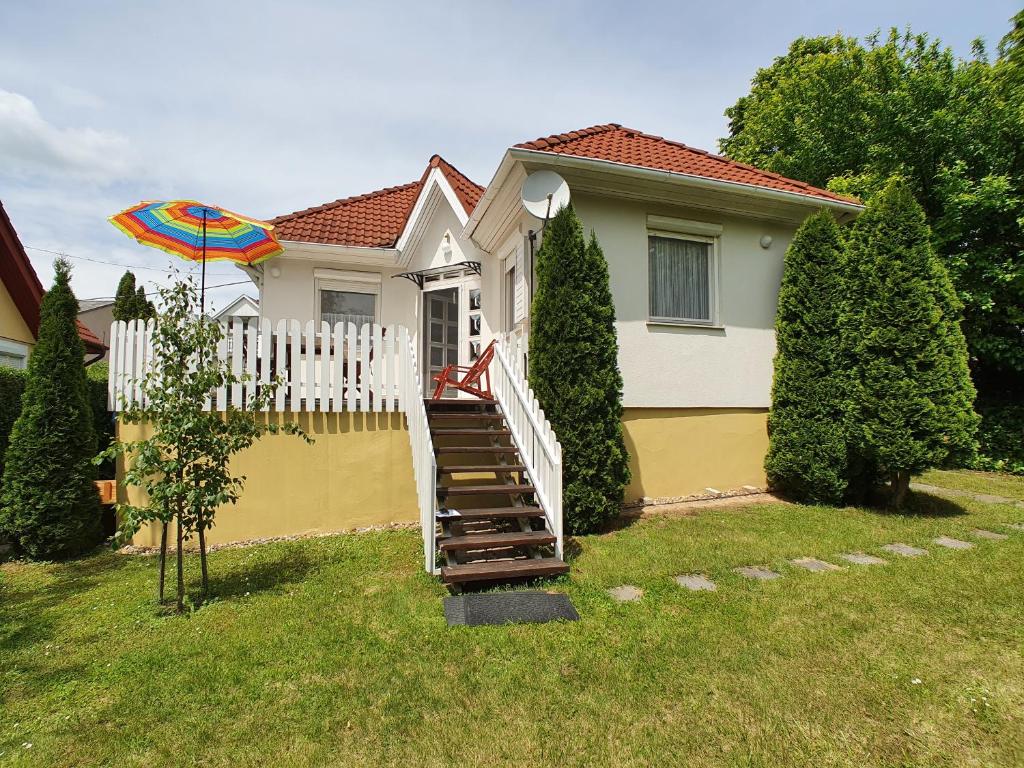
(807, 454)
(911, 401)
(574, 371)
(49, 504)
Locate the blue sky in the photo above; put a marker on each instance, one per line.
(270, 107)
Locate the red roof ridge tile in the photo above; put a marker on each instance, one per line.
(549, 142)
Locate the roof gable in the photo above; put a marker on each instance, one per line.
(617, 144)
(23, 284)
(373, 220)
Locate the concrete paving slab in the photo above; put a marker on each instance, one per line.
(697, 582)
(626, 593)
(905, 549)
(859, 558)
(758, 573)
(814, 565)
(949, 543)
(990, 535)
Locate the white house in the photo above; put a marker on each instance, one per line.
(374, 294)
(694, 244)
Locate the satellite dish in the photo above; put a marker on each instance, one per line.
(545, 193)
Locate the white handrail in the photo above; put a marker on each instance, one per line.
(424, 462)
(532, 434)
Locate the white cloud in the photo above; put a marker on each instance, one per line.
(31, 147)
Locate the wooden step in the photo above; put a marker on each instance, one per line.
(470, 415)
(494, 513)
(483, 490)
(457, 404)
(496, 540)
(476, 431)
(500, 570)
(475, 449)
(499, 468)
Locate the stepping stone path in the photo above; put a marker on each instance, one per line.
(757, 573)
(948, 543)
(697, 582)
(815, 565)
(905, 549)
(986, 498)
(990, 535)
(859, 558)
(627, 593)
(1017, 526)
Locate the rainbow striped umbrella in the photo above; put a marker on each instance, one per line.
(199, 232)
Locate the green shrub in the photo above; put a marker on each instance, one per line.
(1001, 439)
(574, 371)
(49, 503)
(12, 384)
(910, 404)
(807, 453)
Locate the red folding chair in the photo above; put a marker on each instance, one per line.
(476, 378)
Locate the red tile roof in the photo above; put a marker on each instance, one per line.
(617, 144)
(373, 220)
(23, 284)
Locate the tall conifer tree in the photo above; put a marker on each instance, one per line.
(49, 503)
(807, 457)
(574, 371)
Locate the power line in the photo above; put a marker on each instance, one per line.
(153, 293)
(108, 263)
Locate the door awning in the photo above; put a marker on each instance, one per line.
(420, 277)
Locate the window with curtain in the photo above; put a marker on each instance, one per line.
(348, 307)
(681, 279)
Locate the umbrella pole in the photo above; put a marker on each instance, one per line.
(202, 290)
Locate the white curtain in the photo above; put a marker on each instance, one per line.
(680, 279)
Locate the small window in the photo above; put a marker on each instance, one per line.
(13, 354)
(510, 298)
(348, 297)
(681, 279)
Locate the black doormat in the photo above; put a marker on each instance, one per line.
(504, 607)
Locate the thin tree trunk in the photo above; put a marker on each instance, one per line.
(163, 560)
(202, 558)
(900, 487)
(181, 568)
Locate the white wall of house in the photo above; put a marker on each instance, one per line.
(727, 364)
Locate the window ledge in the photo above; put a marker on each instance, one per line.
(685, 324)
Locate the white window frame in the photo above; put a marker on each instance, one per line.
(9, 348)
(349, 281)
(714, 265)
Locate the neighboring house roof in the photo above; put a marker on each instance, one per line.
(243, 306)
(373, 220)
(626, 146)
(87, 305)
(23, 284)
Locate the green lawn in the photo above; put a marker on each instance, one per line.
(1011, 486)
(335, 652)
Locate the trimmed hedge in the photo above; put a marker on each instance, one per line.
(1001, 439)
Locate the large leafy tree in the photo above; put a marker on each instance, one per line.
(835, 111)
(49, 504)
(807, 457)
(574, 371)
(910, 404)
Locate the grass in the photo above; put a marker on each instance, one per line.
(994, 483)
(335, 652)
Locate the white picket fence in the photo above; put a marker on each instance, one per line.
(424, 460)
(532, 434)
(323, 368)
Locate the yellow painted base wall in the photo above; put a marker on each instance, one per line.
(357, 473)
(682, 451)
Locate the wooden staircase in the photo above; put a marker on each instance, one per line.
(492, 529)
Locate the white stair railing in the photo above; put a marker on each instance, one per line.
(424, 462)
(531, 432)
